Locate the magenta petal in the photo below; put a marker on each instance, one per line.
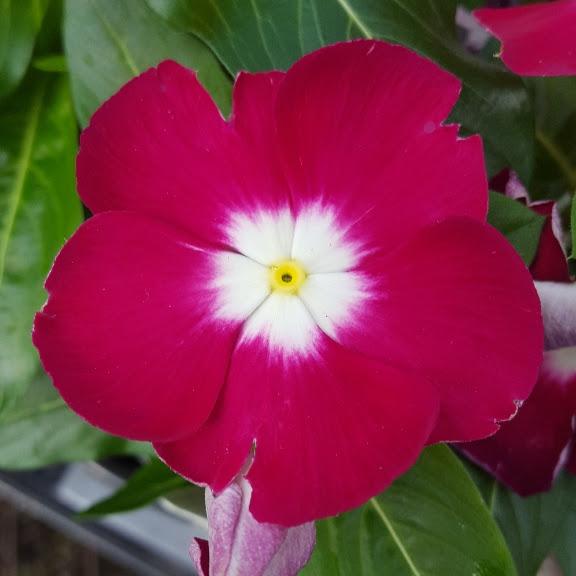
(527, 452)
(128, 333)
(537, 40)
(559, 312)
(160, 147)
(200, 554)
(550, 262)
(241, 546)
(458, 306)
(332, 415)
(354, 119)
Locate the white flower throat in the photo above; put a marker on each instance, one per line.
(291, 277)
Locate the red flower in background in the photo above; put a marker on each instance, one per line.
(538, 39)
(301, 285)
(527, 452)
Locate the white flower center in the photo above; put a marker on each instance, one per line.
(291, 277)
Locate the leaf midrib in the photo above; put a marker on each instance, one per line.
(380, 511)
(117, 40)
(15, 194)
(40, 410)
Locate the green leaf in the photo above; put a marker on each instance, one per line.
(39, 209)
(531, 525)
(39, 430)
(565, 542)
(573, 226)
(521, 226)
(431, 521)
(265, 34)
(150, 482)
(555, 105)
(108, 43)
(535, 526)
(20, 21)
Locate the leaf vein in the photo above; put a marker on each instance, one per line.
(395, 537)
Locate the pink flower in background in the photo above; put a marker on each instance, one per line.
(528, 452)
(240, 546)
(538, 39)
(311, 284)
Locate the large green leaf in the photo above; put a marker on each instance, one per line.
(39, 430)
(147, 484)
(107, 43)
(536, 526)
(264, 34)
(521, 226)
(20, 21)
(431, 521)
(38, 211)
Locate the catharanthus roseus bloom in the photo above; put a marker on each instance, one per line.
(240, 546)
(301, 284)
(538, 39)
(528, 452)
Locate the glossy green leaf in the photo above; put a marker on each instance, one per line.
(521, 226)
(265, 34)
(536, 526)
(150, 482)
(555, 105)
(39, 430)
(431, 521)
(20, 21)
(39, 209)
(107, 43)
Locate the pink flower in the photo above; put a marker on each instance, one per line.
(537, 40)
(240, 546)
(311, 282)
(528, 452)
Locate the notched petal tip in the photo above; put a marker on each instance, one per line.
(537, 39)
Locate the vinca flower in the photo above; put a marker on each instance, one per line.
(309, 287)
(537, 39)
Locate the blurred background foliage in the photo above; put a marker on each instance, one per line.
(59, 60)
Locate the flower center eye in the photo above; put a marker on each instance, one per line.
(287, 276)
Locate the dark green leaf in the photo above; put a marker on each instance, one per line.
(39, 209)
(20, 21)
(565, 542)
(325, 561)
(264, 34)
(39, 430)
(431, 521)
(535, 526)
(521, 226)
(107, 43)
(573, 225)
(150, 482)
(555, 104)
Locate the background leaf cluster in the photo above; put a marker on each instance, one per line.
(59, 60)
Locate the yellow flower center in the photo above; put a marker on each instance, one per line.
(287, 276)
